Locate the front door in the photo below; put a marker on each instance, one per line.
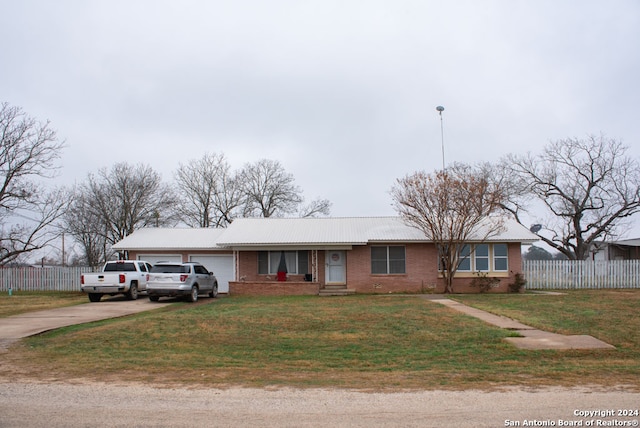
(336, 267)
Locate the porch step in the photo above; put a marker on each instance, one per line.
(336, 290)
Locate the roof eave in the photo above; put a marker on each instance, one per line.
(289, 246)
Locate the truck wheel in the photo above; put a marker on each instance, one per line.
(193, 296)
(154, 298)
(95, 297)
(132, 294)
(214, 291)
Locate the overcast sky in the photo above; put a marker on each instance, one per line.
(342, 93)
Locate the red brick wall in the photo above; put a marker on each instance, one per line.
(421, 272)
(247, 263)
(273, 288)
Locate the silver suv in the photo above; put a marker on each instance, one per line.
(180, 279)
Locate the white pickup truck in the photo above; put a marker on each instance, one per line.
(117, 277)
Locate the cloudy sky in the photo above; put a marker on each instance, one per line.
(342, 93)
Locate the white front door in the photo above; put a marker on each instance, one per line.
(336, 267)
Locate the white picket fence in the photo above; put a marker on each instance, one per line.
(41, 279)
(581, 274)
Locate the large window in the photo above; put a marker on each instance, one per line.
(388, 259)
(483, 258)
(297, 262)
(500, 257)
(465, 259)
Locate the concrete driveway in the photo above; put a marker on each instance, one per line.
(28, 324)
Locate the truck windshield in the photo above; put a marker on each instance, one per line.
(119, 267)
(170, 269)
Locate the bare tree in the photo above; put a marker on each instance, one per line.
(210, 194)
(228, 199)
(29, 150)
(316, 208)
(587, 188)
(118, 201)
(269, 191)
(451, 207)
(88, 228)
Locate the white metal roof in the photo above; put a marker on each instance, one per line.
(315, 231)
(155, 238)
(249, 232)
(309, 232)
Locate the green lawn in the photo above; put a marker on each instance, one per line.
(362, 341)
(27, 301)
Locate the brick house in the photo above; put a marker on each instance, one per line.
(328, 255)
(361, 255)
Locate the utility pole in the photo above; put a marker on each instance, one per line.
(440, 109)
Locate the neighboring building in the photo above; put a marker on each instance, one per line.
(328, 255)
(628, 249)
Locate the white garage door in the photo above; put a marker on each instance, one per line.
(155, 258)
(221, 266)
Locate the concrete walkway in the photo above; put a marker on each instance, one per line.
(31, 323)
(532, 338)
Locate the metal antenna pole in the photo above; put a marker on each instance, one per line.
(440, 109)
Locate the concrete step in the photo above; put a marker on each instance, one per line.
(336, 290)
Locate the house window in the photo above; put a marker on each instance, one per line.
(263, 262)
(483, 258)
(465, 259)
(388, 259)
(297, 262)
(500, 257)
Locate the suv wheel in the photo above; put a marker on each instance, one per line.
(193, 296)
(214, 291)
(95, 297)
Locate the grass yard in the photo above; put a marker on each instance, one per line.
(610, 315)
(29, 301)
(363, 342)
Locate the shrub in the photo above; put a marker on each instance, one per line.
(485, 282)
(518, 283)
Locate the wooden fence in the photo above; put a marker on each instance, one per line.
(41, 279)
(581, 274)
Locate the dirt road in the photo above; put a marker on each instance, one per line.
(100, 405)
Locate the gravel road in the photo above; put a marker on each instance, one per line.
(103, 405)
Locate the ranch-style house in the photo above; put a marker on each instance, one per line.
(260, 256)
